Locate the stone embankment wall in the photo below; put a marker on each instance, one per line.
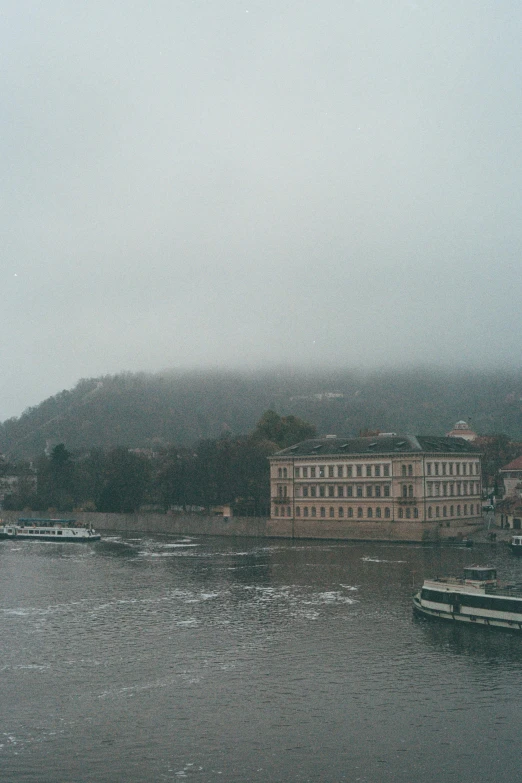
(257, 527)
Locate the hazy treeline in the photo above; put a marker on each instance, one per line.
(226, 470)
(156, 410)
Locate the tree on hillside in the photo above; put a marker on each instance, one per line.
(125, 481)
(284, 431)
(497, 451)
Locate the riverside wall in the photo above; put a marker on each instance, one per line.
(258, 527)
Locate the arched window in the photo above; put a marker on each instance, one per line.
(359, 512)
(369, 513)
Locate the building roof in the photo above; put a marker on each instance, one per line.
(516, 464)
(395, 444)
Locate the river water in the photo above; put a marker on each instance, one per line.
(163, 659)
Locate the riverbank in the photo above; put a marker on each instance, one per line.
(262, 527)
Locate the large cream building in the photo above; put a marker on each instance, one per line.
(387, 478)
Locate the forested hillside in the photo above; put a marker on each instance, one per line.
(155, 410)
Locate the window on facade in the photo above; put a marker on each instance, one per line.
(313, 491)
(359, 491)
(350, 511)
(408, 513)
(282, 511)
(305, 472)
(443, 468)
(428, 468)
(457, 468)
(359, 470)
(386, 490)
(369, 491)
(359, 512)
(436, 466)
(386, 470)
(305, 491)
(341, 511)
(429, 488)
(377, 470)
(410, 491)
(378, 511)
(331, 491)
(401, 513)
(444, 511)
(429, 512)
(305, 511)
(458, 511)
(349, 491)
(444, 489)
(314, 511)
(323, 511)
(297, 472)
(321, 490)
(288, 511)
(312, 472)
(378, 491)
(321, 471)
(404, 490)
(450, 468)
(332, 511)
(369, 513)
(280, 473)
(387, 512)
(437, 511)
(410, 470)
(368, 470)
(298, 511)
(340, 471)
(403, 470)
(416, 512)
(349, 471)
(330, 471)
(465, 509)
(285, 472)
(340, 491)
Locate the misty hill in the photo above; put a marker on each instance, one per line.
(144, 410)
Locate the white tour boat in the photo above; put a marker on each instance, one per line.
(48, 530)
(477, 598)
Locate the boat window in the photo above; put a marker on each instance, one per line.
(58, 532)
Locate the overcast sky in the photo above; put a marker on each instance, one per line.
(236, 183)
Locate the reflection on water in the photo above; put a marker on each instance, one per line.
(160, 658)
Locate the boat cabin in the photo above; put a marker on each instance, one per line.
(483, 574)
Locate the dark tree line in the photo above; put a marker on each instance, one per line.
(221, 471)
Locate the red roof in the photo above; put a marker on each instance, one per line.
(515, 465)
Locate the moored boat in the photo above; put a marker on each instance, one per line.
(476, 598)
(60, 530)
(516, 545)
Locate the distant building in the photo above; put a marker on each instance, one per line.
(462, 430)
(511, 475)
(379, 479)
